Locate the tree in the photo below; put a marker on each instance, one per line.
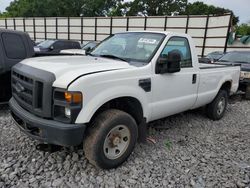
(150, 7)
(99, 7)
(89, 8)
(199, 8)
(36, 8)
(243, 29)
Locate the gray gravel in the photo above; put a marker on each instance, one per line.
(190, 151)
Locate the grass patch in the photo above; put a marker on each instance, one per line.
(168, 144)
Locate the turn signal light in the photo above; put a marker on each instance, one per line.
(73, 97)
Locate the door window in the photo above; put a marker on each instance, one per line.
(181, 45)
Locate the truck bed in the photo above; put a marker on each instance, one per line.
(215, 65)
(210, 78)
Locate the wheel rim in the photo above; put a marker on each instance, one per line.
(116, 142)
(221, 106)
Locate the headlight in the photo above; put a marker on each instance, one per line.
(244, 75)
(67, 105)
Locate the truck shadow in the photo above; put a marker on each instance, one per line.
(4, 109)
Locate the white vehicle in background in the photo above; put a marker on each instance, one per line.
(73, 52)
(85, 48)
(104, 100)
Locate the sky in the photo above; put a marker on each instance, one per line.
(4, 4)
(239, 7)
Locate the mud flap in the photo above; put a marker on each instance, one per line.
(143, 131)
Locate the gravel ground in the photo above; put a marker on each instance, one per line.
(190, 151)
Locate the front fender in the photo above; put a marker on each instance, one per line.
(90, 107)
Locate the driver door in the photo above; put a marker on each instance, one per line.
(175, 92)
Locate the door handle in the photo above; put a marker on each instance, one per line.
(194, 79)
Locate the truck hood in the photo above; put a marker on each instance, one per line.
(68, 68)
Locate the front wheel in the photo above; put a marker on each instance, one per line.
(216, 109)
(110, 139)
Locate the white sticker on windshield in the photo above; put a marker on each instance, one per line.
(147, 41)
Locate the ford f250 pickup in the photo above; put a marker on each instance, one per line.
(105, 99)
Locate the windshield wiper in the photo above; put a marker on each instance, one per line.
(113, 56)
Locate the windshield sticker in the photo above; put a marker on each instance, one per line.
(147, 41)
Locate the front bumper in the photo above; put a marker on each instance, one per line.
(48, 131)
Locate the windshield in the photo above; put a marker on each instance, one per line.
(130, 46)
(240, 57)
(46, 43)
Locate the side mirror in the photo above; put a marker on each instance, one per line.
(51, 48)
(169, 64)
(174, 61)
(88, 49)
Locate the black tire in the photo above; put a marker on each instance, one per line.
(247, 95)
(214, 110)
(100, 130)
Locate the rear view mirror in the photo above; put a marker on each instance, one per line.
(170, 63)
(174, 61)
(51, 48)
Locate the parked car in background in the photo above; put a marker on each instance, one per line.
(211, 57)
(38, 42)
(215, 56)
(55, 46)
(15, 46)
(87, 47)
(242, 58)
(205, 60)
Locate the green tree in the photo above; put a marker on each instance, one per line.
(30, 8)
(99, 7)
(151, 7)
(36, 8)
(199, 8)
(243, 29)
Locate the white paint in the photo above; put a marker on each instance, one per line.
(171, 93)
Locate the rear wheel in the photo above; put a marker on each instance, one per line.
(216, 109)
(111, 139)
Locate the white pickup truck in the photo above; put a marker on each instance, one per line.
(105, 99)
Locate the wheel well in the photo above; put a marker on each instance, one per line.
(226, 86)
(127, 104)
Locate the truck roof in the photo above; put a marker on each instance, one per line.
(160, 32)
